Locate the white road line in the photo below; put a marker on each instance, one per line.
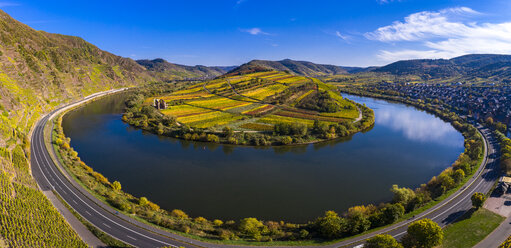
(107, 225)
(88, 212)
(75, 202)
(51, 168)
(131, 237)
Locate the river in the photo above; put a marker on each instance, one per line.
(406, 146)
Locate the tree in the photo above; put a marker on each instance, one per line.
(392, 213)
(382, 241)
(358, 223)
(143, 201)
(402, 195)
(228, 132)
(178, 214)
(458, 175)
(251, 227)
(478, 199)
(330, 225)
(489, 121)
(423, 233)
(116, 186)
(160, 129)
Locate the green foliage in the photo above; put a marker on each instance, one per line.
(116, 185)
(331, 225)
(320, 101)
(143, 201)
(179, 214)
(295, 129)
(251, 227)
(423, 233)
(382, 241)
(402, 195)
(28, 219)
(478, 199)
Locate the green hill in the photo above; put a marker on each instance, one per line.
(167, 71)
(39, 71)
(485, 66)
(302, 68)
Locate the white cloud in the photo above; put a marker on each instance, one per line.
(254, 31)
(443, 34)
(338, 34)
(387, 1)
(8, 4)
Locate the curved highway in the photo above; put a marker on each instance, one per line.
(50, 176)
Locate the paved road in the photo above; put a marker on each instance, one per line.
(49, 176)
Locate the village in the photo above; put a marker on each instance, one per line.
(477, 103)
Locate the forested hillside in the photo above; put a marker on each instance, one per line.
(39, 71)
(166, 71)
(302, 68)
(484, 66)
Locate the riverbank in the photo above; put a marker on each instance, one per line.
(108, 187)
(142, 115)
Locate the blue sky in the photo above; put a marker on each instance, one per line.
(232, 32)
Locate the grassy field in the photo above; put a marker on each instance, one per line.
(473, 227)
(254, 102)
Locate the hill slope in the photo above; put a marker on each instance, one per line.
(475, 65)
(167, 71)
(39, 71)
(303, 68)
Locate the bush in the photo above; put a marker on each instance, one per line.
(178, 214)
(143, 201)
(251, 227)
(382, 241)
(330, 225)
(116, 186)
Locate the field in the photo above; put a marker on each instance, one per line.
(473, 227)
(253, 102)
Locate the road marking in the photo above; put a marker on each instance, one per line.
(88, 212)
(107, 225)
(131, 237)
(44, 155)
(75, 202)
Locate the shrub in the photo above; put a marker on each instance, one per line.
(102, 179)
(143, 201)
(251, 227)
(200, 220)
(177, 213)
(116, 185)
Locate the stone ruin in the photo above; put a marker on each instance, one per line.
(159, 104)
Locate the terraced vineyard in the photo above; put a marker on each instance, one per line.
(255, 102)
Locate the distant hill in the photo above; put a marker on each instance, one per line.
(303, 68)
(167, 71)
(474, 65)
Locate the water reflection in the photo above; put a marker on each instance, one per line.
(293, 183)
(413, 124)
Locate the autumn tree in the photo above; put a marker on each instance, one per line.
(251, 227)
(330, 225)
(116, 186)
(478, 199)
(382, 241)
(423, 233)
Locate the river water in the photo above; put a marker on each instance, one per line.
(406, 146)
